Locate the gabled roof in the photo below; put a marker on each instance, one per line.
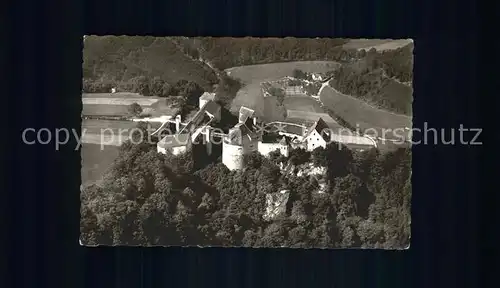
(321, 127)
(210, 107)
(284, 141)
(239, 131)
(175, 140)
(245, 113)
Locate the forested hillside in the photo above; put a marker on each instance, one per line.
(154, 199)
(226, 52)
(380, 78)
(121, 62)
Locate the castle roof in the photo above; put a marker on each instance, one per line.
(321, 127)
(239, 131)
(245, 113)
(284, 141)
(211, 107)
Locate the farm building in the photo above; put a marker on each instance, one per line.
(318, 135)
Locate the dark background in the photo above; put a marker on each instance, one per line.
(43, 55)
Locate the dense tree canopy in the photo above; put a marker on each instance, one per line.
(225, 52)
(381, 78)
(155, 199)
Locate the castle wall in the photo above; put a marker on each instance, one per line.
(266, 148)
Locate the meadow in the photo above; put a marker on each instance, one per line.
(360, 114)
(378, 44)
(250, 95)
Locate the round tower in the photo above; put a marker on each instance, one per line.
(232, 155)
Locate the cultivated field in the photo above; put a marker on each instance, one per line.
(116, 104)
(274, 71)
(378, 44)
(309, 117)
(360, 114)
(253, 75)
(95, 162)
(119, 101)
(110, 132)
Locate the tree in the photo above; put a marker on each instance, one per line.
(299, 74)
(135, 109)
(320, 157)
(298, 212)
(158, 87)
(299, 156)
(142, 86)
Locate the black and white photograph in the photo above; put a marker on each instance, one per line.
(246, 142)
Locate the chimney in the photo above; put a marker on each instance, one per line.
(177, 123)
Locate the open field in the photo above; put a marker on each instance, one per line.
(94, 126)
(378, 44)
(104, 110)
(119, 101)
(95, 162)
(107, 104)
(310, 117)
(253, 75)
(360, 114)
(110, 132)
(118, 95)
(306, 104)
(274, 71)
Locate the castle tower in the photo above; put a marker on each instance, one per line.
(239, 142)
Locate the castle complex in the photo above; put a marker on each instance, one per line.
(247, 135)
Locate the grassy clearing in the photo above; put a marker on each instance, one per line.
(306, 104)
(106, 104)
(250, 95)
(104, 110)
(119, 95)
(357, 112)
(119, 101)
(94, 126)
(274, 71)
(309, 116)
(95, 162)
